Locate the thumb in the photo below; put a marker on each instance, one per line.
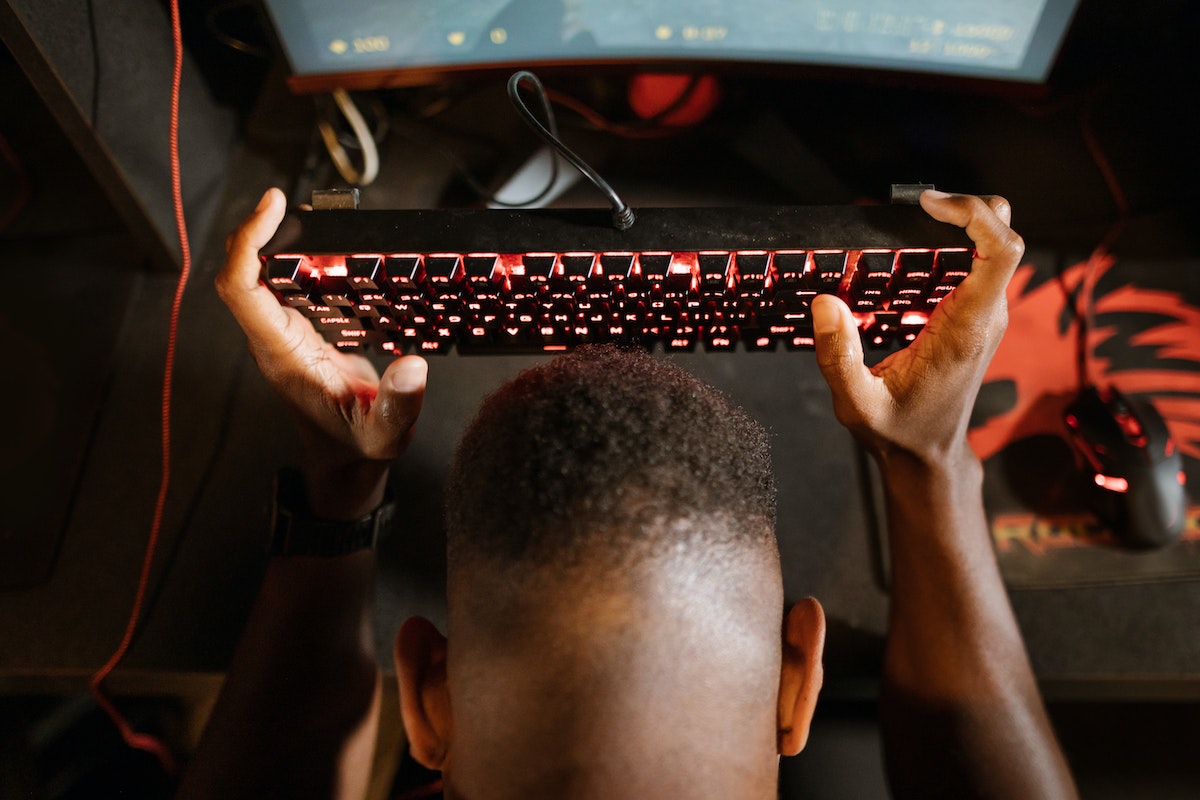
(839, 350)
(397, 405)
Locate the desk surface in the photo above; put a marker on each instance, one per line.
(229, 435)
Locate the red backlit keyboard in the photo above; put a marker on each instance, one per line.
(509, 281)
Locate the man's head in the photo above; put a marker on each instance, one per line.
(614, 595)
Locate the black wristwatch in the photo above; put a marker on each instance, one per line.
(295, 531)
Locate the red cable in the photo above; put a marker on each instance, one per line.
(142, 741)
(24, 190)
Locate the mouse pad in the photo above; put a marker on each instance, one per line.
(1144, 340)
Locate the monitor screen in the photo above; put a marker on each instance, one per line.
(377, 43)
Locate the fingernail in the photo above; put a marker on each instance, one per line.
(935, 194)
(264, 202)
(826, 316)
(410, 376)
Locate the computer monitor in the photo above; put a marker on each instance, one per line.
(362, 44)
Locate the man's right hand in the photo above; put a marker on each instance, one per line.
(352, 421)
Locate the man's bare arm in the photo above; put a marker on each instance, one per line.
(961, 711)
(296, 716)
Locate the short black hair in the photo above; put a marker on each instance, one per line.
(598, 452)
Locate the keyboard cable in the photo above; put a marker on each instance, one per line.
(622, 215)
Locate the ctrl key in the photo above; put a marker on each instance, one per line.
(352, 345)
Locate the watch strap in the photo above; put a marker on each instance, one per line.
(295, 531)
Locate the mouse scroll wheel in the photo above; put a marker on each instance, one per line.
(1131, 428)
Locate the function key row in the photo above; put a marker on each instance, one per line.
(739, 272)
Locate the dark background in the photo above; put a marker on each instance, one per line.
(86, 248)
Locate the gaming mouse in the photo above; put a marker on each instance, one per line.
(1135, 470)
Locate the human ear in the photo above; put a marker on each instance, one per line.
(801, 674)
(419, 652)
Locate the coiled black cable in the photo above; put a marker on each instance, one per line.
(622, 214)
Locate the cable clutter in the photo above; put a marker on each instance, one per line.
(364, 140)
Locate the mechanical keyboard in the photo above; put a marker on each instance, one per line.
(520, 281)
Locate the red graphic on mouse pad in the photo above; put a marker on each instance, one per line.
(1039, 355)
(1143, 341)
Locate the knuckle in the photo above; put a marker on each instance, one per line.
(1012, 246)
(837, 371)
(835, 352)
(976, 202)
(975, 205)
(998, 204)
(829, 360)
